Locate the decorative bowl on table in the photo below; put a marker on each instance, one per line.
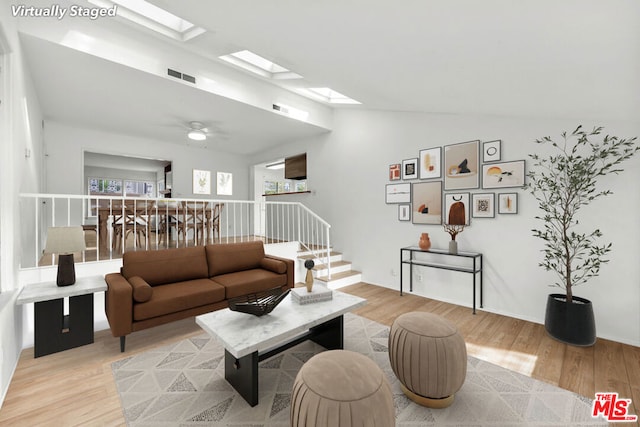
(259, 303)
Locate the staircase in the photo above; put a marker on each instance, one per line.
(341, 272)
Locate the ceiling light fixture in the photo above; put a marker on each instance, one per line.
(258, 65)
(197, 131)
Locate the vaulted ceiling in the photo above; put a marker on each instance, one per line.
(526, 58)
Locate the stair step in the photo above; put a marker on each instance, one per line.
(312, 256)
(334, 264)
(338, 280)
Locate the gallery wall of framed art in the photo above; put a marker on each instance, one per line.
(427, 188)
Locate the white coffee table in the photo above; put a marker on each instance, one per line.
(249, 339)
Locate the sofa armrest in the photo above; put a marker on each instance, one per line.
(290, 269)
(118, 304)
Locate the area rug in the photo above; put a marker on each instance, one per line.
(183, 384)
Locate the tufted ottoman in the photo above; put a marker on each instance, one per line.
(340, 388)
(429, 357)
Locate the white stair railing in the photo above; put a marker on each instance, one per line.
(132, 223)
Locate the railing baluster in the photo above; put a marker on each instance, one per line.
(272, 221)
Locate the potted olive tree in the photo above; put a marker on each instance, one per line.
(563, 182)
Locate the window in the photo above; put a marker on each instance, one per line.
(139, 189)
(105, 187)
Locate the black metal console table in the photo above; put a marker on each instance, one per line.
(474, 270)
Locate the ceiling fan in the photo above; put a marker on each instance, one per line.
(197, 131)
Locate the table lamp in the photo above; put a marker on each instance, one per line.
(64, 241)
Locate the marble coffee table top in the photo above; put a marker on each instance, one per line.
(242, 334)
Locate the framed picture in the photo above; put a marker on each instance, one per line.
(410, 169)
(404, 212)
(456, 208)
(491, 151)
(225, 183)
(398, 193)
(461, 165)
(508, 203)
(427, 202)
(503, 175)
(483, 205)
(430, 163)
(394, 172)
(201, 182)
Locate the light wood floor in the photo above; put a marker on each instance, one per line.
(76, 387)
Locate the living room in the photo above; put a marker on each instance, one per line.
(540, 70)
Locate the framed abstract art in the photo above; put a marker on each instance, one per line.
(461, 165)
(430, 163)
(427, 202)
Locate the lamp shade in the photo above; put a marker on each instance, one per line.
(65, 240)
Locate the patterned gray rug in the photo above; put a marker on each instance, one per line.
(183, 385)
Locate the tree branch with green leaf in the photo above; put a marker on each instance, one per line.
(562, 183)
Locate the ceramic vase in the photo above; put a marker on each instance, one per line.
(424, 242)
(453, 247)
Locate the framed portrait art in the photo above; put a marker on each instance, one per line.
(430, 163)
(491, 151)
(483, 205)
(503, 175)
(456, 208)
(410, 169)
(427, 202)
(461, 165)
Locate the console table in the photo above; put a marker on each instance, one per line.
(53, 330)
(474, 270)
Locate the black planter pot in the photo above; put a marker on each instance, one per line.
(570, 323)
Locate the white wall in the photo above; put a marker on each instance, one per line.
(347, 173)
(20, 171)
(65, 145)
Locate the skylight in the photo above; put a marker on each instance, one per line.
(331, 96)
(153, 17)
(257, 64)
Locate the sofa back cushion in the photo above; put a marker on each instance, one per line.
(166, 266)
(230, 257)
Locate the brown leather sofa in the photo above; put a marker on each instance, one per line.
(157, 287)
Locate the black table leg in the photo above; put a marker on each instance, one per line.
(54, 332)
(330, 334)
(242, 374)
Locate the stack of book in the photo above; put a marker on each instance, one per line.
(318, 293)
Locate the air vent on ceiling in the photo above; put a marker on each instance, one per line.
(182, 76)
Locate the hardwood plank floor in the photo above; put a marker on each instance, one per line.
(76, 387)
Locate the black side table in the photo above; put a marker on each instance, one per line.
(424, 261)
(53, 330)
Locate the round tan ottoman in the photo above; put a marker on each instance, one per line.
(340, 388)
(429, 357)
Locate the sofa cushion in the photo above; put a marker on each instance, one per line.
(250, 281)
(142, 291)
(166, 266)
(233, 257)
(274, 265)
(178, 296)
